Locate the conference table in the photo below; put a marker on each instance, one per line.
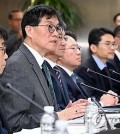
(72, 129)
(75, 126)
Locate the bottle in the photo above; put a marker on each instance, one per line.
(61, 127)
(48, 120)
(91, 114)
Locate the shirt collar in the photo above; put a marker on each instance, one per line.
(100, 64)
(67, 70)
(117, 53)
(37, 56)
(52, 64)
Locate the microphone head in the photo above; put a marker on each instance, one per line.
(8, 85)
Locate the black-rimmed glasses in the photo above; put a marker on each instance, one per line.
(52, 28)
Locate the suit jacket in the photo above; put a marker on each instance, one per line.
(3, 121)
(24, 73)
(75, 90)
(91, 78)
(61, 93)
(115, 65)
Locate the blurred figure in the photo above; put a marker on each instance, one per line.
(116, 19)
(15, 34)
(4, 128)
(114, 65)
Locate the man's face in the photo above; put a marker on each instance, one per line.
(43, 39)
(71, 58)
(3, 56)
(105, 49)
(15, 22)
(117, 41)
(60, 47)
(117, 22)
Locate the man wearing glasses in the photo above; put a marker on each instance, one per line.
(102, 47)
(41, 27)
(4, 127)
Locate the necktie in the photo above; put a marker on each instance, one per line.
(57, 72)
(107, 81)
(46, 73)
(73, 76)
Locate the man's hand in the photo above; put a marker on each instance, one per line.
(109, 100)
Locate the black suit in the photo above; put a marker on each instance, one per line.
(3, 121)
(91, 78)
(75, 90)
(115, 65)
(61, 93)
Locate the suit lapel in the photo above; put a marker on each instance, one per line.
(38, 72)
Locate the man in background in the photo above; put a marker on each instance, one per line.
(116, 19)
(102, 47)
(15, 34)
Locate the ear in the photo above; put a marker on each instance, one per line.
(28, 30)
(93, 48)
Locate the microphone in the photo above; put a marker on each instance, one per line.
(8, 85)
(113, 71)
(100, 90)
(90, 70)
(99, 106)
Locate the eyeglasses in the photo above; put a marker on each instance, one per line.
(75, 48)
(3, 49)
(109, 43)
(52, 28)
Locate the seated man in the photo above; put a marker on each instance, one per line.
(102, 47)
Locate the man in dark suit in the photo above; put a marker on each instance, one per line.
(4, 127)
(102, 47)
(41, 26)
(114, 65)
(67, 65)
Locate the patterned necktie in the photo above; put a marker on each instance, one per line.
(46, 73)
(58, 74)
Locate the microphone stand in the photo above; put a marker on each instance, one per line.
(99, 106)
(83, 84)
(113, 71)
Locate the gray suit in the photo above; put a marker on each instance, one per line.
(24, 73)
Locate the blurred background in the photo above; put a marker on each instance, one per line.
(80, 15)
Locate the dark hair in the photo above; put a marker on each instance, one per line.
(34, 15)
(73, 35)
(3, 33)
(115, 17)
(10, 15)
(96, 34)
(117, 31)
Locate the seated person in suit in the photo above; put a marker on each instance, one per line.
(67, 65)
(41, 26)
(114, 65)
(102, 47)
(4, 128)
